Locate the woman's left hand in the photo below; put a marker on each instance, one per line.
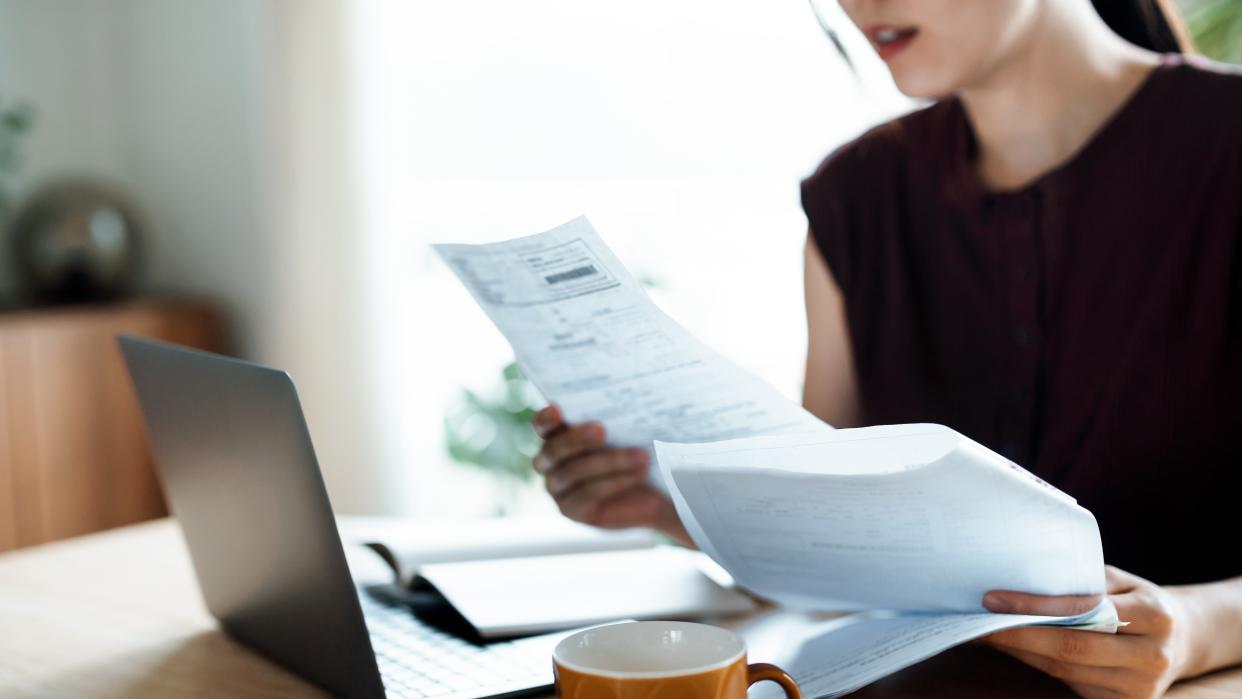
(1141, 660)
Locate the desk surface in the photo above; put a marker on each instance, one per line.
(118, 614)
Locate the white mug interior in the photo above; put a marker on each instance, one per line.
(649, 649)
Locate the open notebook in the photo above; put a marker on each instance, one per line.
(408, 544)
(518, 576)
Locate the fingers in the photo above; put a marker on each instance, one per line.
(592, 484)
(1140, 660)
(548, 421)
(641, 506)
(1147, 612)
(1074, 646)
(596, 465)
(583, 502)
(1120, 581)
(1010, 602)
(567, 443)
(1100, 680)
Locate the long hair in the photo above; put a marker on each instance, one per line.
(1152, 24)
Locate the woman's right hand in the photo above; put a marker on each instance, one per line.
(602, 486)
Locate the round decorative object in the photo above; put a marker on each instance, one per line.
(77, 241)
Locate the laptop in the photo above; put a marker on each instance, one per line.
(241, 477)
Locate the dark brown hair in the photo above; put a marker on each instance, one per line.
(1151, 24)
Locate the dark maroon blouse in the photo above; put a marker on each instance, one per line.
(1087, 326)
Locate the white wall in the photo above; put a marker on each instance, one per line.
(222, 119)
(62, 56)
(160, 97)
(188, 75)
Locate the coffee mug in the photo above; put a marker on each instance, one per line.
(659, 660)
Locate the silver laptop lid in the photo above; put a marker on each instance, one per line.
(241, 477)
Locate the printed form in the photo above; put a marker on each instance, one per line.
(590, 339)
(912, 522)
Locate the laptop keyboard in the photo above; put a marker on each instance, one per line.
(417, 660)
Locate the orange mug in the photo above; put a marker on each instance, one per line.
(659, 660)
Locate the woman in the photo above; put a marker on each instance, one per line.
(1046, 259)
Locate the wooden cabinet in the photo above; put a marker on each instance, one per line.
(73, 450)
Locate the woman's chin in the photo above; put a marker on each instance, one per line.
(923, 86)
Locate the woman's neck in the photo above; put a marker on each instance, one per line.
(1036, 110)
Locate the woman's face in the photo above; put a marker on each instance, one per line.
(937, 47)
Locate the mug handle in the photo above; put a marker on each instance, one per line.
(758, 672)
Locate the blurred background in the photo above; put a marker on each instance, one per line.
(264, 177)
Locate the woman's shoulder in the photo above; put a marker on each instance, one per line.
(1205, 94)
(884, 152)
(1205, 75)
(854, 187)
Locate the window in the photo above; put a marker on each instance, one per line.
(680, 128)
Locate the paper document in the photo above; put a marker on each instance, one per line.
(911, 517)
(846, 654)
(912, 522)
(591, 340)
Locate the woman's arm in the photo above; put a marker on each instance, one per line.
(1214, 610)
(831, 388)
(1174, 632)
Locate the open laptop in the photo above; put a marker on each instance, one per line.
(241, 477)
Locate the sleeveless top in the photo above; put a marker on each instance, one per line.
(1087, 326)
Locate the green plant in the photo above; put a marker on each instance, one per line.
(493, 432)
(1216, 27)
(15, 122)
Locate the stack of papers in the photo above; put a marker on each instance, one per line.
(912, 523)
(905, 517)
(907, 524)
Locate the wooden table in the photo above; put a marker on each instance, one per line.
(118, 614)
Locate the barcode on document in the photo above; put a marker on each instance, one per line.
(575, 273)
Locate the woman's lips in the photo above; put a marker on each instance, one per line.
(890, 40)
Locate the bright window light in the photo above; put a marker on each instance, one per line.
(680, 128)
